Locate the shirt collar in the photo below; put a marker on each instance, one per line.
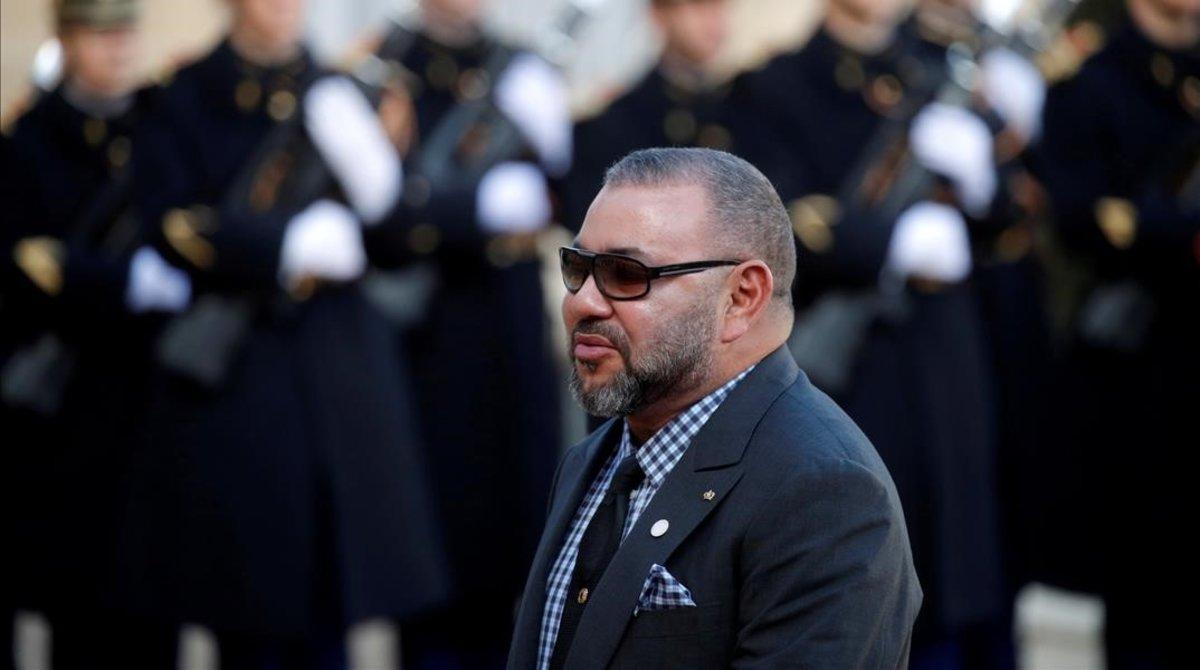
(658, 455)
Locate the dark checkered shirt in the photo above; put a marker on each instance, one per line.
(657, 457)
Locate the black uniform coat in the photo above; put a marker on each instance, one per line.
(65, 473)
(800, 560)
(656, 113)
(295, 497)
(479, 354)
(1118, 137)
(920, 386)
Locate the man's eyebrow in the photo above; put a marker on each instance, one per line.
(623, 251)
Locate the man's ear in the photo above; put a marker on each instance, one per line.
(749, 289)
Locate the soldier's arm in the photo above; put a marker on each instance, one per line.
(56, 268)
(193, 228)
(1093, 212)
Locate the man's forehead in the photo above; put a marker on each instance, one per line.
(646, 222)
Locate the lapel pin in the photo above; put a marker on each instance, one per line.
(660, 528)
(709, 495)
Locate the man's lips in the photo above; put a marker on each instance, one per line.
(592, 348)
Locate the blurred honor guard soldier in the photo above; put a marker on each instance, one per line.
(729, 515)
(678, 103)
(479, 354)
(287, 500)
(1122, 152)
(73, 280)
(1008, 273)
(886, 292)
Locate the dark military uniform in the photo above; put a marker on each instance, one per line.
(480, 360)
(292, 501)
(655, 113)
(65, 258)
(920, 387)
(1119, 138)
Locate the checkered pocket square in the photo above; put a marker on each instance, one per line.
(663, 592)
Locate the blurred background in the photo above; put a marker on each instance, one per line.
(285, 388)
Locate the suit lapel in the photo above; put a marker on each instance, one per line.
(576, 478)
(712, 463)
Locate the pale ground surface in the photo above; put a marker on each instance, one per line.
(1055, 629)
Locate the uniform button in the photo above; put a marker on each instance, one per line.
(118, 152)
(848, 73)
(679, 126)
(41, 258)
(424, 238)
(247, 94)
(1117, 219)
(885, 93)
(417, 191)
(715, 136)
(94, 131)
(472, 84)
(441, 72)
(812, 216)
(1189, 95)
(281, 105)
(1163, 70)
(582, 598)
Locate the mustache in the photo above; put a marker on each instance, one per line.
(606, 330)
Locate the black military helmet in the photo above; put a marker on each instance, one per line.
(98, 13)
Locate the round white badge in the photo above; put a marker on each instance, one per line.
(660, 528)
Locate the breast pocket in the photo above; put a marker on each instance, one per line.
(681, 621)
(696, 638)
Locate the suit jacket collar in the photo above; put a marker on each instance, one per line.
(576, 475)
(723, 440)
(712, 463)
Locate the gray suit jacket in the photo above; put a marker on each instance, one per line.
(800, 560)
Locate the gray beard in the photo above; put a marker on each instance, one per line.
(680, 360)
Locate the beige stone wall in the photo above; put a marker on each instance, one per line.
(176, 29)
(173, 30)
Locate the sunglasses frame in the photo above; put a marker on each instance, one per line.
(652, 272)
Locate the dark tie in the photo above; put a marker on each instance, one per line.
(596, 549)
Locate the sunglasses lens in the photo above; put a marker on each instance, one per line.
(622, 277)
(574, 269)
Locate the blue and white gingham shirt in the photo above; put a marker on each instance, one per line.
(657, 457)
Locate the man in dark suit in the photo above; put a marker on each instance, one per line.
(730, 515)
(886, 276)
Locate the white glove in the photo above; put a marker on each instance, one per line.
(955, 143)
(533, 95)
(1014, 87)
(930, 241)
(322, 241)
(353, 143)
(513, 198)
(155, 284)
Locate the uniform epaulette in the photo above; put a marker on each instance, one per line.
(18, 108)
(174, 64)
(1064, 57)
(163, 77)
(595, 104)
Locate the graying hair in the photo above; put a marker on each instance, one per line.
(745, 212)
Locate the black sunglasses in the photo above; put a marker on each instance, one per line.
(621, 277)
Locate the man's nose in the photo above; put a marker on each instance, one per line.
(586, 303)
